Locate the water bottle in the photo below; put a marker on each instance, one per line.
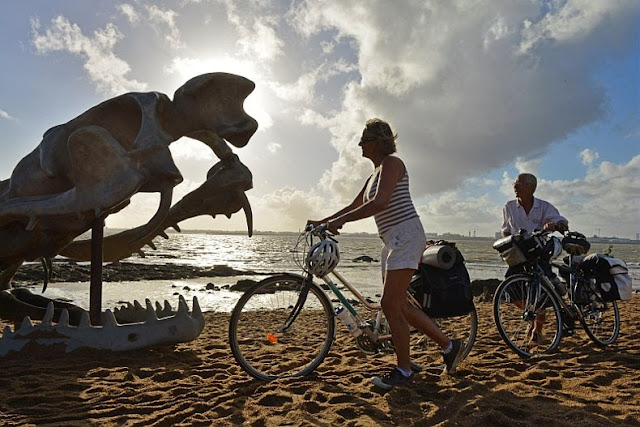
(348, 321)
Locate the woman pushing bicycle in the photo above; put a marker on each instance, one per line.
(385, 196)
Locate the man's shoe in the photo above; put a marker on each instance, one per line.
(452, 358)
(389, 381)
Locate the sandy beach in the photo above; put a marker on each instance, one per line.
(199, 383)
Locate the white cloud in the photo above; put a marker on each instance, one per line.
(469, 86)
(262, 41)
(190, 149)
(164, 23)
(141, 209)
(460, 109)
(287, 209)
(497, 31)
(299, 91)
(256, 28)
(451, 211)
(327, 46)
(588, 156)
(529, 165)
(303, 90)
(606, 198)
(573, 20)
(274, 147)
(7, 116)
(129, 11)
(104, 68)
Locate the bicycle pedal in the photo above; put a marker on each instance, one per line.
(568, 332)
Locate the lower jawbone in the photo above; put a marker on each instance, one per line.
(160, 326)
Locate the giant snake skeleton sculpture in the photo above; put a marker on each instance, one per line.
(89, 168)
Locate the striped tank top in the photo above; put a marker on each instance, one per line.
(400, 206)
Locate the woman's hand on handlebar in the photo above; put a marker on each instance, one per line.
(334, 226)
(314, 223)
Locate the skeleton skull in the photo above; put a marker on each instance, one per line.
(92, 165)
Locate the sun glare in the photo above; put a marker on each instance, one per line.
(254, 105)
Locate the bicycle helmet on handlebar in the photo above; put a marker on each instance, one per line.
(552, 249)
(575, 243)
(323, 257)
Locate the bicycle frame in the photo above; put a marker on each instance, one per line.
(568, 309)
(373, 334)
(521, 317)
(270, 317)
(373, 329)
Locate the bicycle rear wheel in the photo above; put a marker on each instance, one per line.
(600, 319)
(264, 340)
(465, 328)
(528, 327)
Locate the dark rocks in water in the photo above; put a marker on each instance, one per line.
(186, 288)
(70, 271)
(211, 287)
(242, 285)
(365, 258)
(223, 270)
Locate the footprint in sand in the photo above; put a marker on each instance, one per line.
(275, 400)
(312, 407)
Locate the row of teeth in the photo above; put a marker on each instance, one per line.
(137, 310)
(108, 318)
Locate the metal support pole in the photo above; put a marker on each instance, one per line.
(95, 291)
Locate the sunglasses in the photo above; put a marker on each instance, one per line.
(366, 139)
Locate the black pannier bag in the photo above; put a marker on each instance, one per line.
(611, 276)
(443, 293)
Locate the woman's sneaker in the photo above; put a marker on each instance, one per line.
(389, 381)
(454, 356)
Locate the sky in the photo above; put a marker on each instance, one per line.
(477, 91)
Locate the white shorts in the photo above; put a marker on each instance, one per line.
(403, 246)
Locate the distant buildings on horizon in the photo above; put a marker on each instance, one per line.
(430, 235)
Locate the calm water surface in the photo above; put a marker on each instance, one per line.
(274, 253)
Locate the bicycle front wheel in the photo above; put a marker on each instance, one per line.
(600, 319)
(267, 342)
(528, 325)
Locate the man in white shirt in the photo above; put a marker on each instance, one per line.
(528, 212)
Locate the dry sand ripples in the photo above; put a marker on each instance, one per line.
(199, 383)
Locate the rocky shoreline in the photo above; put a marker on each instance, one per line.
(70, 271)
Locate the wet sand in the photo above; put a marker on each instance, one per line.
(199, 383)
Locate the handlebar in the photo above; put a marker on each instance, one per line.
(536, 232)
(320, 231)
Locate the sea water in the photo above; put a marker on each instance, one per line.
(266, 254)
